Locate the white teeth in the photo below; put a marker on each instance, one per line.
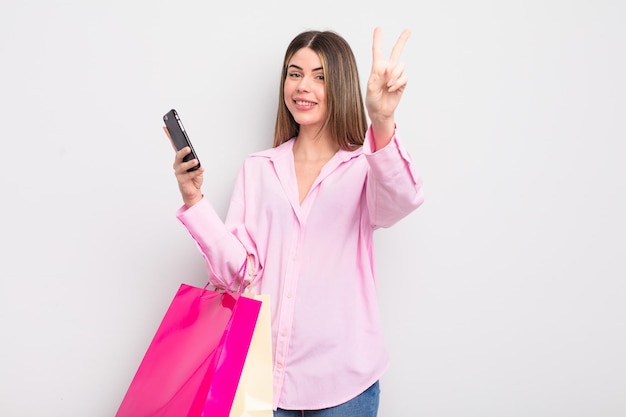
(304, 103)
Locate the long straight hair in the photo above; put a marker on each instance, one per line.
(346, 120)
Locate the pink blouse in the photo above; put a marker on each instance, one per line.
(315, 260)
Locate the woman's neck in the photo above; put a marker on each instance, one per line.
(313, 146)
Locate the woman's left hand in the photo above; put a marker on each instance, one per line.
(386, 83)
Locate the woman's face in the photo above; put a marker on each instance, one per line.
(304, 92)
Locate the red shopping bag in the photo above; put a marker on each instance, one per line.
(194, 362)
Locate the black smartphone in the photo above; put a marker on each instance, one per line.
(179, 136)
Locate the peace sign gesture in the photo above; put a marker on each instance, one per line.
(385, 86)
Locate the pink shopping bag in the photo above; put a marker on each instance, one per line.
(194, 362)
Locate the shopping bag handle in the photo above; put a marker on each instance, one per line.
(241, 273)
(250, 270)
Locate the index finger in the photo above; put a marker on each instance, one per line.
(376, 46)
(399, 46)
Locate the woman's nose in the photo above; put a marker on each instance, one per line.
(303, 85)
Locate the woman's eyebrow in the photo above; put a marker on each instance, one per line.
(297, 67)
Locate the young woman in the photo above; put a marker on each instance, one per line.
(304, 212)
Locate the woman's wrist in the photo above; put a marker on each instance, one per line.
(192, 200)
(383, 131)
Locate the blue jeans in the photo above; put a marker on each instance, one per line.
(363, 405)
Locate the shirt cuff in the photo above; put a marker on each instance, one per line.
(390, 161)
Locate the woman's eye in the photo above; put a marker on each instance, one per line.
(320, 77)
(294, 74)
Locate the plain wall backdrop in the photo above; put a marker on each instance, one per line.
(503, 295)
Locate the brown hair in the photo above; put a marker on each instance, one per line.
(346, 118)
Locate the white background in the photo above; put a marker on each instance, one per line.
(503, 295)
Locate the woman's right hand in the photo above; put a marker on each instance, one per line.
(189, 183)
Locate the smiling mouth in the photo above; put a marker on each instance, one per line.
(305, 103)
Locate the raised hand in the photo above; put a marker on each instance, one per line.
(385, 86)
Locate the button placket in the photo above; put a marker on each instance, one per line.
(287, 311)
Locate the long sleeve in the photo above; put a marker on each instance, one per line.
(222, 250)
(394, 188)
